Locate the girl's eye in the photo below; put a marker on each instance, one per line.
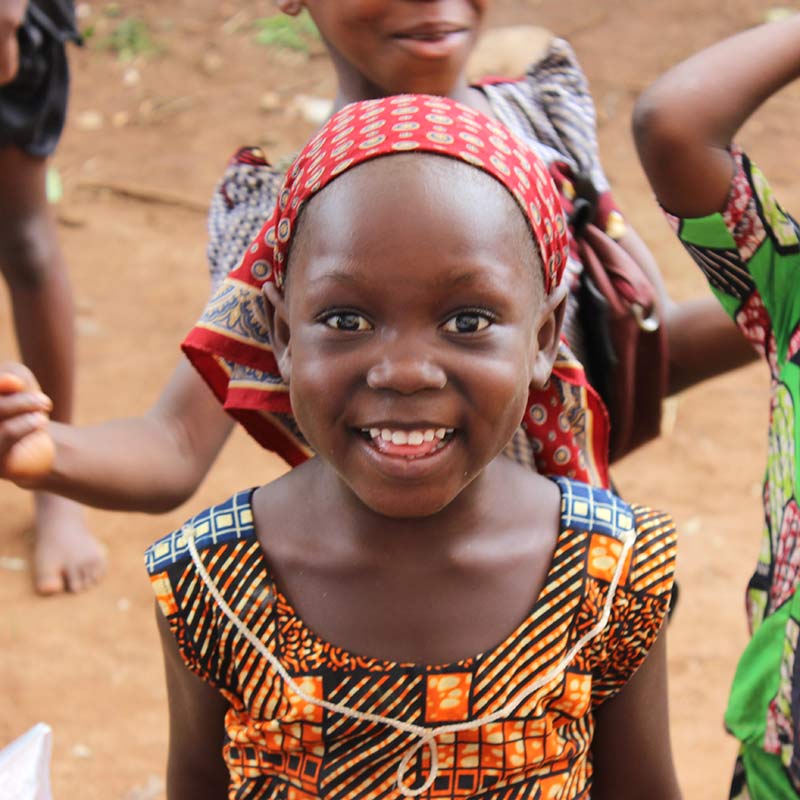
(468, 322)
(347, 321)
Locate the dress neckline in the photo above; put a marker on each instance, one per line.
(532, 619)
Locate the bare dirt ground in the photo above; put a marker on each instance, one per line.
(89, 665)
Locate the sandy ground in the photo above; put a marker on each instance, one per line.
(89, 665)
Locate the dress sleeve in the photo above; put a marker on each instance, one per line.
(750, 255)
(640, 605)
(188, 607)
(242, 200)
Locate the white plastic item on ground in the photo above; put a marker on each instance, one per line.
(25, 766)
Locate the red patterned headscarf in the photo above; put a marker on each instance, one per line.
(416, 124)
(565, 430)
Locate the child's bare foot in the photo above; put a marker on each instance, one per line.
(66, 556)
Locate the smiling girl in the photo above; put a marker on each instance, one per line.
(378, 48)
(411, 613)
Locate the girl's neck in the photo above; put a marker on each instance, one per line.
(428, 590)
(482, 506)
(352, 90)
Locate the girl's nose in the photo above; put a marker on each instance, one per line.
(405, 374)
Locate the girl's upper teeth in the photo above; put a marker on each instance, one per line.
(415, 437)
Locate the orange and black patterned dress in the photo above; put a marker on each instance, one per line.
(311, 720)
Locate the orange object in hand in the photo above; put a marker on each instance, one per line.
(32, 456)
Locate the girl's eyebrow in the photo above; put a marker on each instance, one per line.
(474, 276)
(337, 276)
(467, 277)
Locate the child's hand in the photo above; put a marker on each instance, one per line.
(11, 13)
(26, 449)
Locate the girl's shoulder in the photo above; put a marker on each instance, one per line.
(220, 525)
(633, 547)
(192, 573)
(627, 558)
(554, 77)
(551, 107)
(551, 58)
(593, 509)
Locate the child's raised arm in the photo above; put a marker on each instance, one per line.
(685, 121)
(631, 752)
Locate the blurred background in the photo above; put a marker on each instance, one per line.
(163, 93)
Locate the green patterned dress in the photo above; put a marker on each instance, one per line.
(750, 255)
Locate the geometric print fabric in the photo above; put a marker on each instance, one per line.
(750, 255)
(280, 745)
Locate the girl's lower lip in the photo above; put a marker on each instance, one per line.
(407, 451)
(402, 463)
(442, 46)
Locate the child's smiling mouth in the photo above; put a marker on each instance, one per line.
(408, 443)
(432, 41)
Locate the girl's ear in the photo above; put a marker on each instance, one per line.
(277, 320)
(551, 319)
(290, 7)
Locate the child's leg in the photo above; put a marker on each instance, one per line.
(66, 555)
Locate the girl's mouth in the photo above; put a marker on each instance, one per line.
(409, 444)
(427, 36)
(432, 43)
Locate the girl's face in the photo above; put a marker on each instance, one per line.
(412, 328)
(383, 47)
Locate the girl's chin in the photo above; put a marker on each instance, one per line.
(408, 502)
(404, 508)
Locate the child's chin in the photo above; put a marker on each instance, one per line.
(426, 502)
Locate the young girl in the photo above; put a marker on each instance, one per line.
(411, 613)
(155, 462)
(749, 249)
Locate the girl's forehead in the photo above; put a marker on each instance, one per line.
(421, 211)
(444, 183)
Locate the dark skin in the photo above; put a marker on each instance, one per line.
(685, 121)
(66, 555)
(11, 14)
(383, 47)
(195, 768)
(155, 462)
(435, 558)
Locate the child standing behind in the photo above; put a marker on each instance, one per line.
(378, 48)
(749, 249)
(34, 83)
(411, 613)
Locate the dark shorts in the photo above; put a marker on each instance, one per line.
(33, 106)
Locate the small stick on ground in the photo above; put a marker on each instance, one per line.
(145, 194)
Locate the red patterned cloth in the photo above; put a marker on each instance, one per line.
(230, 346)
